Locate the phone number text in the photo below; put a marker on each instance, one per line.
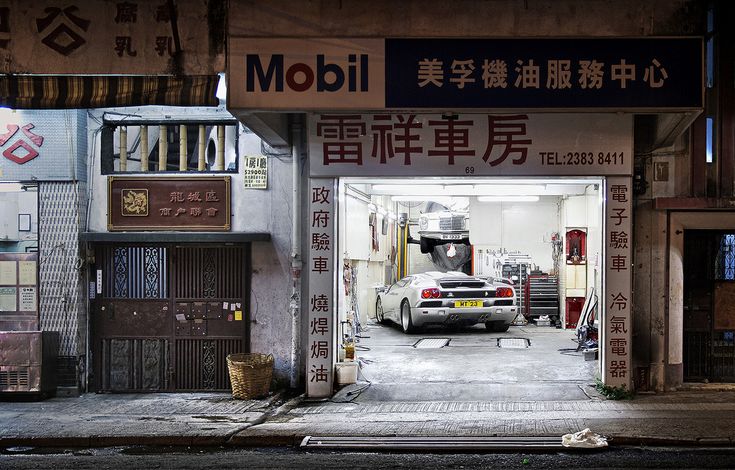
(581, 158)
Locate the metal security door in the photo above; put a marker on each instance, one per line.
(709, 306)
(131, 326)
(210, 313)
(168, 316)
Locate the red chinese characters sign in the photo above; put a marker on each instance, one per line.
(617, 316)
(469, 144)
(20, 147)
(320, 303)
(194, 204)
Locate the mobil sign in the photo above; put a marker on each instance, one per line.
(297, 74)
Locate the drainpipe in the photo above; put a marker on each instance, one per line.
(296, 262)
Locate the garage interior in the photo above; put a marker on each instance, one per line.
(544, 236)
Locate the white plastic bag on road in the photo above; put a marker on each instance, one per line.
(585, 439)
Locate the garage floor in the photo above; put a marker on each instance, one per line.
(472, 367)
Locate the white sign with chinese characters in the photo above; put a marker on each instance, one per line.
(320, 301)
(255, 172)
(470, 144)
(27, 299)
(616, 310)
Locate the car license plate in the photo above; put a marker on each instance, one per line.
(451, 236)
(467, 303)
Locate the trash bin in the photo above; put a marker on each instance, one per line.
(250, 374)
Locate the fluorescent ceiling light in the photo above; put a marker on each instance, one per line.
(221, 92)
(508, 198)
(509, 189)
(423, 198)
(459, 189)
(11, 187)
(409, 189)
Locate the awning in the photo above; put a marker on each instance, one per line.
(70, 92)
(174, 237)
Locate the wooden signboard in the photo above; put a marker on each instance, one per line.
(186, 203)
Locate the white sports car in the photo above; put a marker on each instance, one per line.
(445, 299)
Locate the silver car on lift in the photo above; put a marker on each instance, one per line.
(445, 299)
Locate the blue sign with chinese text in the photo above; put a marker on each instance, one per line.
(610, 73)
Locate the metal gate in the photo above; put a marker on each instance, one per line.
(168, 315)
(709, 306)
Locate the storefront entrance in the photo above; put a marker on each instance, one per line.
(471, 288)
(548, 230)
(709, 306)
(165, 316)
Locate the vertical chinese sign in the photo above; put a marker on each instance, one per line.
(616, 316)
(320, 302)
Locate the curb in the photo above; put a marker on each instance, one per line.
(114, 441)
(293, 440)
(670, 442)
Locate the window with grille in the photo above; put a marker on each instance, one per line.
(170, 147)
(725, 263)
(135, 272)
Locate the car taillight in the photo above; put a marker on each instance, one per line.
(431, 294)
(504, 292)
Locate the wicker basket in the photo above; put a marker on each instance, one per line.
(250, 374)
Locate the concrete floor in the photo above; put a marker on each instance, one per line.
(472, 367)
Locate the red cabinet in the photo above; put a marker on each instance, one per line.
(573, 311)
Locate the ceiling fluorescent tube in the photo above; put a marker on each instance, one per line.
(508, 198)
(424, 198)
(408, 189)
(509, 189)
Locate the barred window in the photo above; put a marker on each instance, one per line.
(170, 147)
(725, 262)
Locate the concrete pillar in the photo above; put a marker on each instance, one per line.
(675, 318)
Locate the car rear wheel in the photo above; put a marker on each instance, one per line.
(379, 313)
(497, 326)
(406, 321)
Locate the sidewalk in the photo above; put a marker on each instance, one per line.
(98, 420)
(696, 418)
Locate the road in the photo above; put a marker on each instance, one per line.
(288, 458)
